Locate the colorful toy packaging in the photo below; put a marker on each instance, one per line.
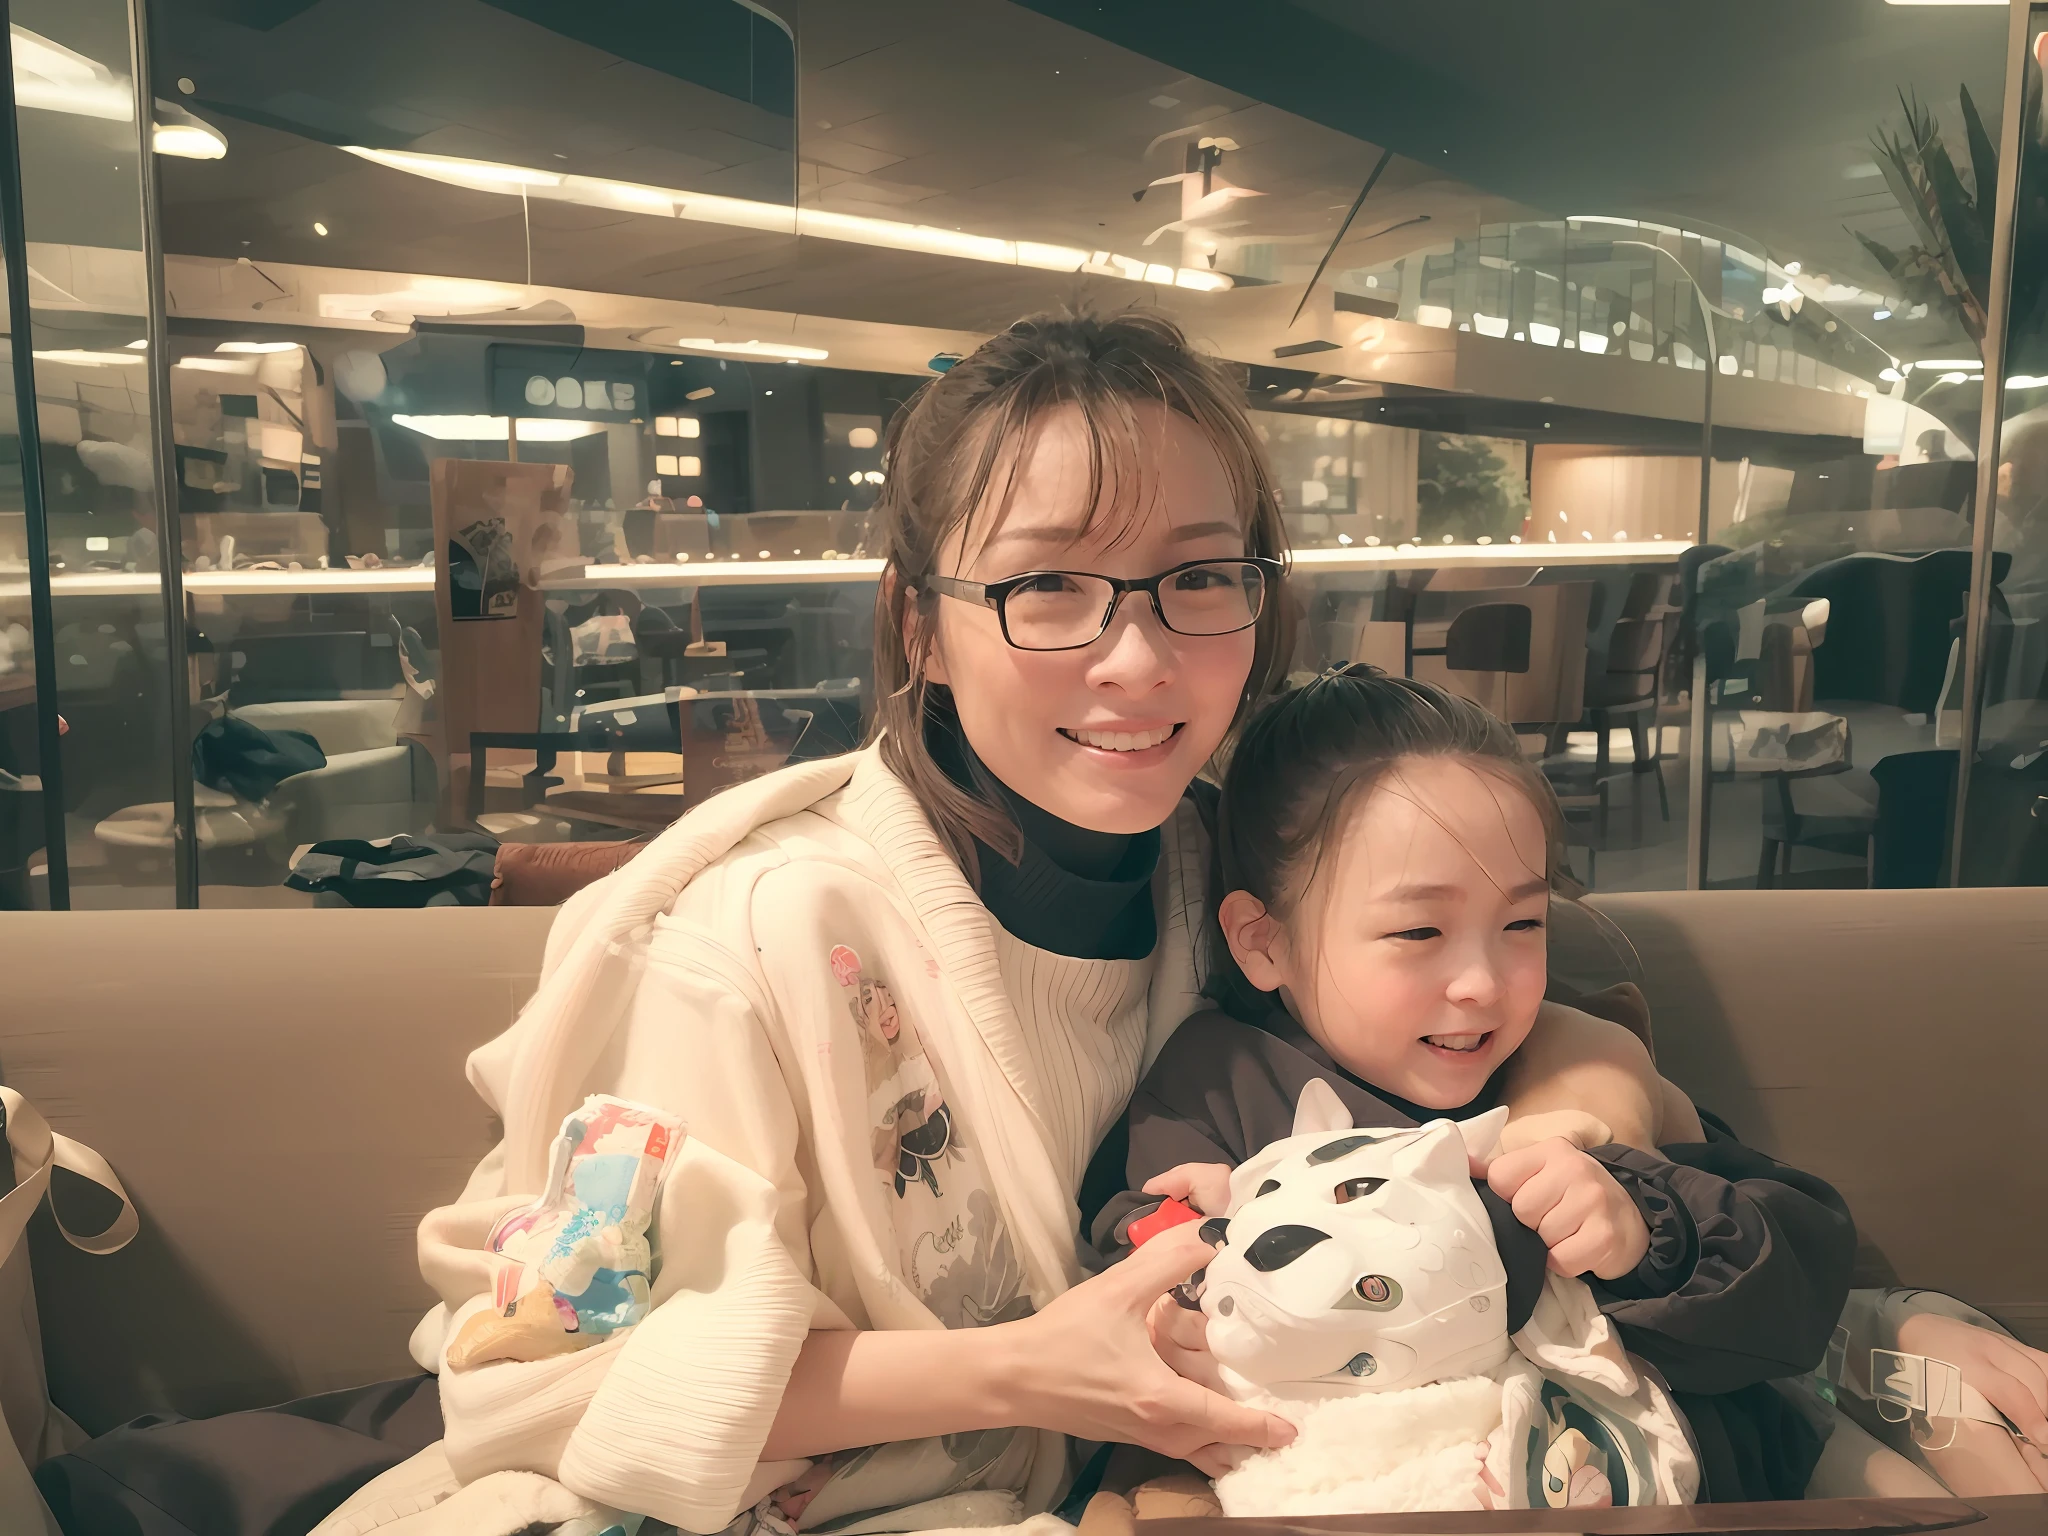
(575, 1266)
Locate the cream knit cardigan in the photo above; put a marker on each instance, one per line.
(773, 1221)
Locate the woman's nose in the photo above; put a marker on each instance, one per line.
(1137, 650)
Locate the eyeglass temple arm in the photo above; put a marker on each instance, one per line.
(954, 586)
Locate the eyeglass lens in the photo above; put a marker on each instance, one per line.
(1057, 611)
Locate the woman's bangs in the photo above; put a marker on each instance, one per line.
(1123, 452)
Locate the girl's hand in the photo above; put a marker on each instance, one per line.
(1180, 1337)
(1584, 1216)
(1205, 1186)
(2012, 1377)
(1086, 1366)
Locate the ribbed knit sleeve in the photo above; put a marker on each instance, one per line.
(668, 1419)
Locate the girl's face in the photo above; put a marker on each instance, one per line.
(1416, 957)
(1107, 737)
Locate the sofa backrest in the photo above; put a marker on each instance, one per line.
(282, 1092)
(339, 725)
(1893, 1042)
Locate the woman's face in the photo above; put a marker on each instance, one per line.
(1107, 737)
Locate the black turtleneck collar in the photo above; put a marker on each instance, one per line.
(1074, 892)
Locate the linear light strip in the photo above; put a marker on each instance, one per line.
(773, 218)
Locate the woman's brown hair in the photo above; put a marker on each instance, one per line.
(1308, 756)
(953, 452)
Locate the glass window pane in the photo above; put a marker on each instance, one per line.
(2005, 824)
(81, 196)
(23, 827)
(1481, 345)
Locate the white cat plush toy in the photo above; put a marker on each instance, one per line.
(1357, 1290)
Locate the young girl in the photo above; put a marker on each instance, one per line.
(1386, 860)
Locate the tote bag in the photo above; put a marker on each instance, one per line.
(36, 1428)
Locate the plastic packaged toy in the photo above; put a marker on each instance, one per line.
(575, 1266)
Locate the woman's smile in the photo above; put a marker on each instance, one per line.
(1123, 740)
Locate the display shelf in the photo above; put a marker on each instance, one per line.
(743, 573)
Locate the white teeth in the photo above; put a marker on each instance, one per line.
(1456, 1042)
(1122, 741)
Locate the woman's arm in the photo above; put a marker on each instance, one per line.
(856, 1388)
(1575, 1062)
(1085, 1366)
(665, 1418)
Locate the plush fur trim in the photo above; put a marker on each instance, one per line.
(1421, 1448)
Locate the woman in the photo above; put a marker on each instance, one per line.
(897, 997)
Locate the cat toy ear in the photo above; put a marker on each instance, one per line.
(1482, 1133)
(1319, 1110)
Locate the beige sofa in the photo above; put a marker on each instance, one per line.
(283, 1093)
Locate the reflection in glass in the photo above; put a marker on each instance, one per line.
(690, 311)
(81, 195)
(2005, 820)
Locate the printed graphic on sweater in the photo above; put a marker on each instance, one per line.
(1578, 1458)
(968, 1272)
(911, 1129)
(955, 1254)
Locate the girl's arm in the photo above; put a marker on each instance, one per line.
(1758, 1279)
(1749, 1260)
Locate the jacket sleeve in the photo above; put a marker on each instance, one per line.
(1154, 1138)
(1748, 1268)
(669, 1417)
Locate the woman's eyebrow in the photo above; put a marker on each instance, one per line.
(1185, 533)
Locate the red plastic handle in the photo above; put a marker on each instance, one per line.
(1170, 1214)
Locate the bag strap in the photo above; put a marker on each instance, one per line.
(31, 1144)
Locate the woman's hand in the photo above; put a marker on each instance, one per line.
(1087, 1366)
(1577, 1207)
(1205, 1186)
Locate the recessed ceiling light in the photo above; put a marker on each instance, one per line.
(319, 228)
(701, 394)
(188, 141)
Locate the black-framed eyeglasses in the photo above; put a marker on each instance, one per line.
(1066, 610)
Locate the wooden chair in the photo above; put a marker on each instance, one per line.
(1629, 687)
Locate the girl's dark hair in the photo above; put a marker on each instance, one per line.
(1304, 759)
(952, 456)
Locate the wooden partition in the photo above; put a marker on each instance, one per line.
(490, 666)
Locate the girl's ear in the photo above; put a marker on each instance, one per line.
(1258, 942)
